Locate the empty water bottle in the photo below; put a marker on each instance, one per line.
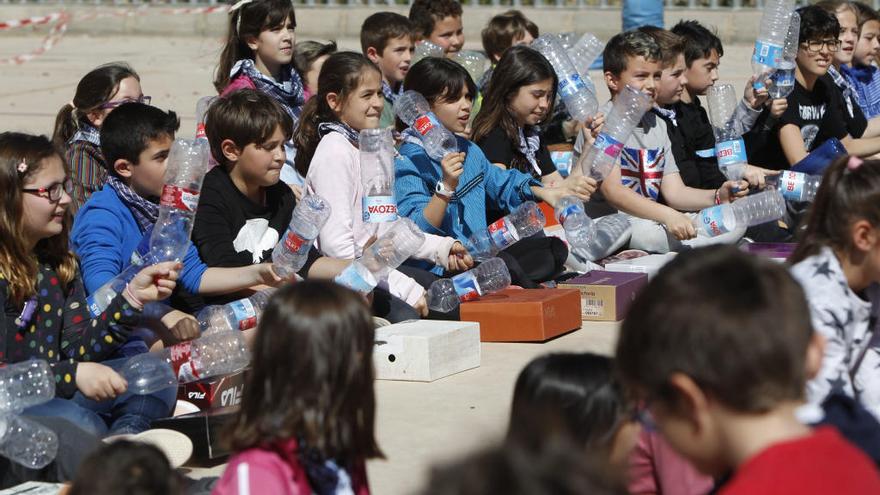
(628, 109)
(526, 220)
(291, 252)
(424, 49)
(390, 250)
(413, 109)
(473, 61)
(25, 384)
(243, 314)
(446, 294)
(202, 110)
(578, 98)
(730, 149)
(771, 39)
(567, 39)
(27, 442)
(782, 79)
(756, 209)
(219, 353)
(377, 175)
(579, 228)
(584, 53)
(610, 232)
(796, 186)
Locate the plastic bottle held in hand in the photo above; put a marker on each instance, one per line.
(424, 49)
(389, 251)
(25, 384)
(796, 186)
(27, 442)
(782, 79)
(473, 61)
(756, 209)
(526, 220)
(446, 294)
(579, 100)
(628, 109)
(309, 217)
(584, 53)
(730, 149)
(579, 228)
(219, 353)
(202, 110)
(413, 109)
(243, 314)
(377, 175)
(187, 165)
(771, 39)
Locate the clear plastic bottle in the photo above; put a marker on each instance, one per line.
(583, 54)
(201, 110)
(25, 384)
(413, 109)
(782, 79)
(524, 221)
(579, 100)
(567, 39)
(579, 228)
(27, 442)
(424, 49)
(756, 209)
(446, 294)
(395, 246)
(474, 61)
(608, 233)
(796, 186)
(628, 109)
(377, 175)
(218, 353)
(243, 314)
(772, 32)
(309, 217)
(730, 149)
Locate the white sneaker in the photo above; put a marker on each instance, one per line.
(176, 446)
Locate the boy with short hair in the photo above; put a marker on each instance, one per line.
(863, 74)
(723, 375)
(438, 21)
(646, 182)
(387, 40)
(505, 30)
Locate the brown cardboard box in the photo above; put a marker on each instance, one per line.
(525, 315)
(210, 393)
(205, 429)
(606, 296)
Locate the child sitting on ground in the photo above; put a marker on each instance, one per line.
(863, 74)
(387, 40)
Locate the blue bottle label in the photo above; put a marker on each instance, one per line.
(562, 161)
(608, 145)
(791, 184)
(767, 54)
(466, 286)
(569, 210)
(377, 209)
(571, 85)
(713, 220)
(245, 314)
(351, 278)
(94, 310)
(731, 152)
(782, 77)
(502, 234)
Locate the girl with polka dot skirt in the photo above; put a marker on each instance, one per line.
(41, 292)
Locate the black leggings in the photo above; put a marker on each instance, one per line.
(396, 310)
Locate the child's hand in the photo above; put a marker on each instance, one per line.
(297, 191)
(592, 128)
(99, 382)
(778, 107)
(756, 176)
(579, 186)
(571, 128)
(153, 283)
(421, 306)
(182, 326)
(265, 275)
(733, 190)
(756, 98)
(453, 166)
(679, 225)
(459, 258)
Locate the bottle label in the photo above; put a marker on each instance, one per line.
(379, 209)
(425, 123)
(200, 130)
(562, 161)
(782, 77)
(502, 233)
(182, 364)
(571, 85)
(293, 242)
(608, 145)
(791, 184)
(351, 278)
(143, 247)
(245, 314)
(713, 220)
(568, 210)
(767, 54)
(179, 197)
(731, 152)
(94, 307)
(466, 286)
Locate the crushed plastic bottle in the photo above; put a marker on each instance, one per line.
(413, 109)
(446, 294)
(526, 220)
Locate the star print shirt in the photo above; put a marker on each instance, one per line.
(56, 326)
(848, 322)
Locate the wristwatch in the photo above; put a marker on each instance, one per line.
(444, 191)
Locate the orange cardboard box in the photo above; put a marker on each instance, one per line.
(549, 214)
(525, 315)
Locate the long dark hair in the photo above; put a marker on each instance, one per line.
(94, 89)
(437, 79)
(845, 196)
(249, 20)
(340, 74)
(518, 67)
(312, 377)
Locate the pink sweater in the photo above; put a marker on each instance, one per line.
(240, 82)
(335, 174)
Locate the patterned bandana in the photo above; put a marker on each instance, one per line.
(347, 132)
(529, 141)
(86, 132)
(389, 93)
(289, 91)
(845, 87)
(666, 113)
(145, 212)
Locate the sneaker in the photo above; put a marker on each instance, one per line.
(176, 446)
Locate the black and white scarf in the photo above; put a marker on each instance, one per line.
(529, 142)
(86, 132)
(288, 91)
(145, 211)
(389, 93)
(350, 134)
(666, 113)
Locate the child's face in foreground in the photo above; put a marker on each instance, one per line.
(260, 164)
(395, 59)
(363, 106)
(530, 104)
(43, 218)
(448, 34)
(672, 82)
(702, 73)
(866, 49)
(454, 115)
(274, 46)
(148, 176)
(814, 57)
(849, 36)
(640, 74)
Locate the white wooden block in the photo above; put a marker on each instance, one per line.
(650, 264)
(426, 350)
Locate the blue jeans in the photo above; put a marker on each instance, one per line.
(128, 413)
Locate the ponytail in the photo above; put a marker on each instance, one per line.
(306, 138)
(65, 125)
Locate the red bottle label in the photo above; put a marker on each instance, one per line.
(179, 197)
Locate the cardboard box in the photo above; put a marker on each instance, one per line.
(219, 391)
(646, 264)
(525, 315)
(779, 251)
(549, 214)
(205, 429)
(426, 350)
(606, 296)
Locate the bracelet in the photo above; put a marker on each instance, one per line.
(718, 196)
(132, 298)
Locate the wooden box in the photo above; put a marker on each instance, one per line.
(426, 350)
(525, 315)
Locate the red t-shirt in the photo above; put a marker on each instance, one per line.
(820, 464)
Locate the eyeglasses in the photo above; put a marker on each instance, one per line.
(53, 192)
(815, 46)
(113, 104)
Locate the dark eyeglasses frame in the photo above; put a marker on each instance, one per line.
(54, 192)
(113, 104)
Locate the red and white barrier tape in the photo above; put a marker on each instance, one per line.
(30, 21)
(55, 34)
